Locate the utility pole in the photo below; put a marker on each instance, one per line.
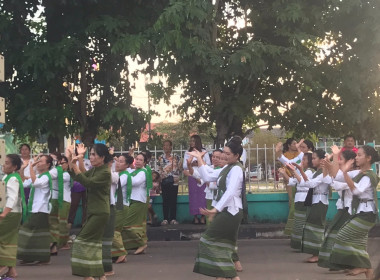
(149, 116)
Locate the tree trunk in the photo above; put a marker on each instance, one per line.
(221, 130)
(55, 144)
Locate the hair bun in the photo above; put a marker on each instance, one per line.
(237, 140)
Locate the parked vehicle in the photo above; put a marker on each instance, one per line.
(256, 172)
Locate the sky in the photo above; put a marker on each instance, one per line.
(140, 98)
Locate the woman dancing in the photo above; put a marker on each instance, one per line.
(218, 243)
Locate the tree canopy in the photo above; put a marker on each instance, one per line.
(302, 65)
(48, 44)
(311, 67)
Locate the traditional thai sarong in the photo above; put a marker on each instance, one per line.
(9, 227)
(133, 230)
(54, 221)
(314, 228)
(34, 239)
(197, 196)
(86, 255)
(117, 242)
(107, 241)
(290, 222)
(298, 226)
(350, 247)
(64, 231)
(217, 246)
(340, 218)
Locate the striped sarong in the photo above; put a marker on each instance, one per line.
(350, 247)
(107, 241)
(314, 228)
(118, 249)
(340, 218)
(64, 231)
(298, 226)
(133, 233)
(34, 239)
(9, 227)
(290, 222)
(86, 254)
(217, 246)
(58, 222)
(54, 221)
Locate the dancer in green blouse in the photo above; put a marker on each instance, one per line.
(86, 256)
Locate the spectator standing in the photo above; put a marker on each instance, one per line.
(27, 161)
(197, 196)
(349, 143)
(168, 165)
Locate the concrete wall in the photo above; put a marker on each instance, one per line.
(262, 208)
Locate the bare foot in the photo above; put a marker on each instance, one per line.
(3, 270)
(203, 220)
(370, 274)
(140, 250)
(12, 273)
(88, 278)
(65, 247)
(109, 273)
(236, 278)
(238, 266)
(103, 277)
(121, 259)
(356, 271)
(312, 259)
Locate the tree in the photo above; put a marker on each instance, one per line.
(60, 47)
(245, 61)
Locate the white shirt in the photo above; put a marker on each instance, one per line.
(363, 190)
(54, 176)
(243, 157)
(284, 160)
(234, 181)
(114, 181)
(41, 194)
(321, 189)
(139, 187)
(206, 158)
(12, 191)
(210, 187)
(301, 192)
(66, 187)
(123, 182)
(340, 187)
(27, 169)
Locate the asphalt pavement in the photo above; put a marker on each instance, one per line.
(262, 259)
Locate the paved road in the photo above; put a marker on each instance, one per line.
(262, 259)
